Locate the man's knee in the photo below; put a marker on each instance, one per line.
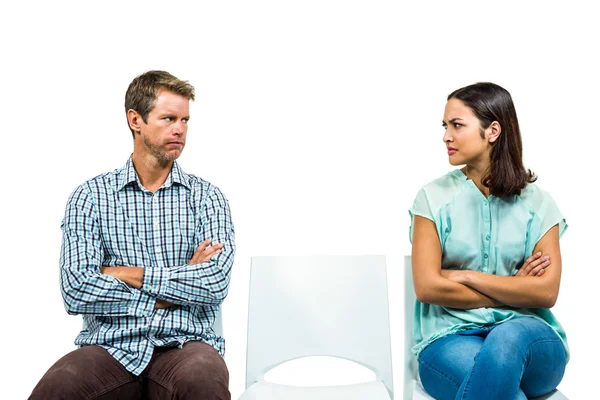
(58, 383)
(86, 373)
(203, 374)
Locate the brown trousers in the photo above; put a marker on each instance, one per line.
(196, 372)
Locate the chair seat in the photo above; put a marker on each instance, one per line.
(555, 395)
(263, 390)
(420, 394)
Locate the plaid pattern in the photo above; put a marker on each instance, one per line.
(112, 220)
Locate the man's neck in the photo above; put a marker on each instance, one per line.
(150, 171)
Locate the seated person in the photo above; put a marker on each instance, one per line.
(486, 262)
(146, 258)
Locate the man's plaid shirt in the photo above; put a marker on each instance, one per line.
(113, 220)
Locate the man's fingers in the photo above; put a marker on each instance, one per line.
(212, 251)
(203, 245)
(206, 253)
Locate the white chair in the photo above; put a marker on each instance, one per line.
(412, 384)
(218, 324)
(333, 306)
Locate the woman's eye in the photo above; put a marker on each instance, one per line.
(457, 125)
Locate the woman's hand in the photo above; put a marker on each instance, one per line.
(535, 265)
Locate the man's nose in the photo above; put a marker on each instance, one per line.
(179, 128)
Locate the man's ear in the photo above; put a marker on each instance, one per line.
(493, 131)
(135, 120)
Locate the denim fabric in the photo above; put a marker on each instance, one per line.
(517, 359)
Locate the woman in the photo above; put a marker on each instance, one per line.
(486, 261)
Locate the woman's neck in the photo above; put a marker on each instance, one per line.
(476, 174)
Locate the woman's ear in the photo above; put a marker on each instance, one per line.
(493, 131)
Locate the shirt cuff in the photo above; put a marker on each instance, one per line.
(155, 280)
(142, 304)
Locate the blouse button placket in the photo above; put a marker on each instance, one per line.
(487, 235)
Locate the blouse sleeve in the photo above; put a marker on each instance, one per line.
(421, 207)
(547, 216)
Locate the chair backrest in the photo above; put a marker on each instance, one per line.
(218, 324)
(410, 362)
(318, 306)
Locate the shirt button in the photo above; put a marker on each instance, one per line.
(487, 219)
(485, 203)
(157, 249)
(156, 223)
(485, 255)
(487, 237)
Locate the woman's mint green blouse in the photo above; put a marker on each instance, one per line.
(492, 235)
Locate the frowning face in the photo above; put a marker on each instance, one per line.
(163, 135)
(467, 142)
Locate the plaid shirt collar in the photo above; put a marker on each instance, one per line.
(127, 174)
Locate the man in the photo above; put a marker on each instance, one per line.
(138, 264)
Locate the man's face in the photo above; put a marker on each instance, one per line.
(163, 135)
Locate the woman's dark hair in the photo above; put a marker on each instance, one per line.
(489, 102)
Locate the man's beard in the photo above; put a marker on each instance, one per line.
(160, 154)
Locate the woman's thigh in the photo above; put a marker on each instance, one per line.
(445, 363)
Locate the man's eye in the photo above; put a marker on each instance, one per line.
(169, 119)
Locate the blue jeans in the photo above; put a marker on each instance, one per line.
(517, 359)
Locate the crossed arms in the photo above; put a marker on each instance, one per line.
(530, 288)
(88, 287)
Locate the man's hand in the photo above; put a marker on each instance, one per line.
(534, 265)
(204, 252)
(160, 304)
(134, 276)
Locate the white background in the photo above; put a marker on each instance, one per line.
(319, 120)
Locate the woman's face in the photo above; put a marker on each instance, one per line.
(467, 142)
